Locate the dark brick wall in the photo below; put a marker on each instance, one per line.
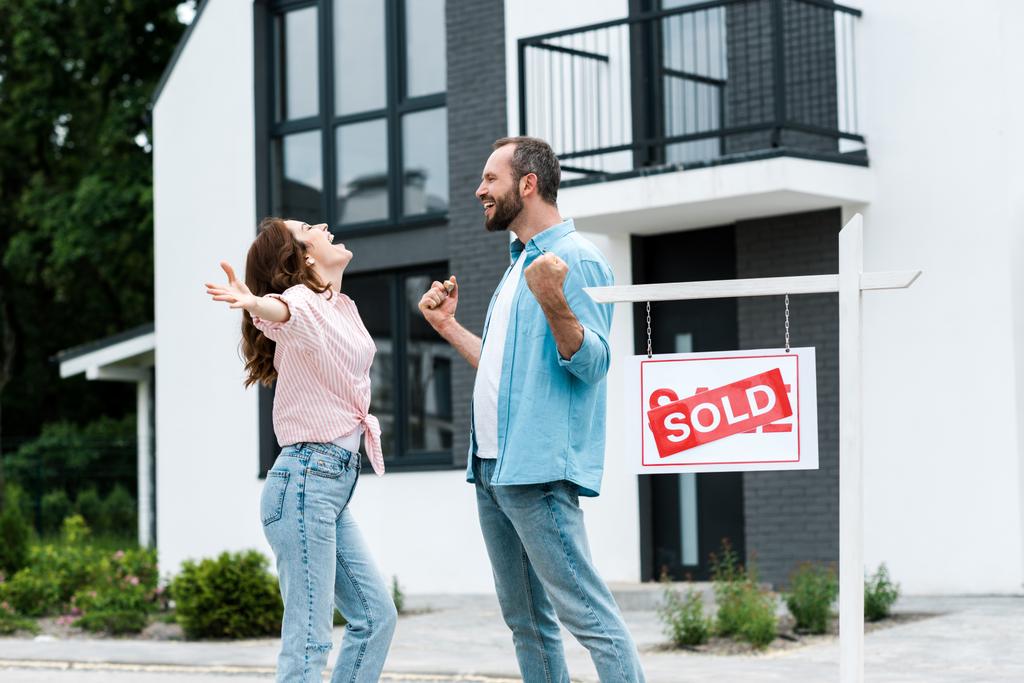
(809, 73)
(476, 118)
(794, 516)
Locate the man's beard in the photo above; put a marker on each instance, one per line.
(506, 210)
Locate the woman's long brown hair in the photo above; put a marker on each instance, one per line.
(276, 261)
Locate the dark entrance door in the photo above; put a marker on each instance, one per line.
(683, 518)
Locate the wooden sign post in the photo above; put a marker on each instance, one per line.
(850, 283)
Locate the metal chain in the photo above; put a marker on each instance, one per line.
(787, 323)
(649, 353)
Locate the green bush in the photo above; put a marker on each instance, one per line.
(880, 594)
(33, 593)
(53, 573)
(744, 611)
(729, 579)
(232, 596)
(117, 622)
(119, 512)
(74, 530)
(684, 619)
(813, 590)
(108, 591)
(54, 507)
(15, 534)
(121, 596)
(10, 622)
(90, 506)
(760, 625)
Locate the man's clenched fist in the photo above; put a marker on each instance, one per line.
(438, 303)
(546, 276)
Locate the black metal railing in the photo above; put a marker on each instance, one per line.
(707, 82)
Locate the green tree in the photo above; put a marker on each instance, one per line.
(76, 78)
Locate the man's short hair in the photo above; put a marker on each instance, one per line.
(533, 155)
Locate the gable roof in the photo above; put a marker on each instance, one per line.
(200, 6)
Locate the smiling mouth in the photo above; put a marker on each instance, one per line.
(488, 206)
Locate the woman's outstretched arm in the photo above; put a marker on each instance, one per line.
(238, 295)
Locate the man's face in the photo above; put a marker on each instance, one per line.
(498, 191)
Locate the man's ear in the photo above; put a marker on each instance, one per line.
(528, 184)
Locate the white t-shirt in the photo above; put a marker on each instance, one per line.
(350, 442)
(488, 372)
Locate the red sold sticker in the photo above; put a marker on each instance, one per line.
(681, 424)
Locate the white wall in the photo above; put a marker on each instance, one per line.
(1012, 60)
(613, 518)
(942, 452)
(206, 425)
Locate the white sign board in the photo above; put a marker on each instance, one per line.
(725, 411)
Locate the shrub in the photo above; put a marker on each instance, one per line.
(73, 560)
(15, 533)
(115, 622)
(89, 505)
(119, 512)
(33, 592)
(113, 592)
(684, 619)
(880, 594)
(10, 622)
(729, 578)
(122, 595)
(744, 610)
(760, 625)
(813, 590)
(232, 596)
(74, 530)
(54, 507)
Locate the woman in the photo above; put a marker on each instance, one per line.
(300, 330)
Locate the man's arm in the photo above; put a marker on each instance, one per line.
(438, 307)
(546, 277)
(579, 325)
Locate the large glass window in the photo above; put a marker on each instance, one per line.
(411, 373)
(359, 95)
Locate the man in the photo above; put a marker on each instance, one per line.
(537, 438)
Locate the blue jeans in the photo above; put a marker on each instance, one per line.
(322, 562)
(542, 569)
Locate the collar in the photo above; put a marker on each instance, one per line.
(542, 241)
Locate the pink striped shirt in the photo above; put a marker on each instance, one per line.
(323, 360)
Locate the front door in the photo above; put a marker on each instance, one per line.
(684, 517)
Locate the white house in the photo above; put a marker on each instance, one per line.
(699, 141)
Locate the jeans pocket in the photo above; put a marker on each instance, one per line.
(272, 499)
(328, 468)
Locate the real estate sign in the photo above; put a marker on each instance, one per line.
(724, 411)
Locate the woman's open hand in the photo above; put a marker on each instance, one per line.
(235, 292)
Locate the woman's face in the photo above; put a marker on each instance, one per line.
(320, 244)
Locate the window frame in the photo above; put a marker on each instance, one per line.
(397, 105)
(267, 131)
(406, 460)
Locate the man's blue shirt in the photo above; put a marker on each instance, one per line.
(551, 411)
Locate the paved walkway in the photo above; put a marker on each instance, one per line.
(463, 639)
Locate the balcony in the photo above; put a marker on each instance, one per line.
(753, 101)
